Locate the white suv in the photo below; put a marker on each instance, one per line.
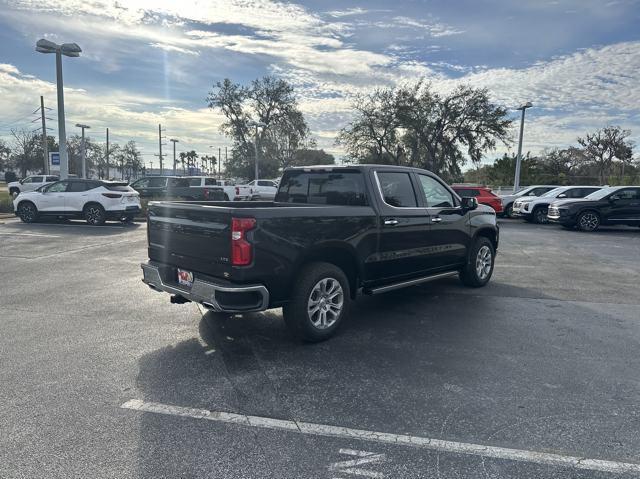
(94, 200)
(30, 183)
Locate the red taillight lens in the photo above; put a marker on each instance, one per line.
(241, 249)
(237, 191)
(112, 195)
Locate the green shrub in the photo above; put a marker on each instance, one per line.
(6, 203)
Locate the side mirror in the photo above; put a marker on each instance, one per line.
(469, 203)
(614, 198)
(562, 195)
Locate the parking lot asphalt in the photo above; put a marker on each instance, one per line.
(511, 380)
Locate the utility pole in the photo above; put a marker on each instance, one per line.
(516, 181)
(257, 124)
(45, 148)
(107, 154)
(219, 158)
(174, 141)
(225, 157)
(160, 146)
(84, 150)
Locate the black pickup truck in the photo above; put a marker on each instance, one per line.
(331, 233)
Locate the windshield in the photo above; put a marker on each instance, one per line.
(553, 192)
(598, 195)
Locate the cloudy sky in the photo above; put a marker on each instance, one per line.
(146, 62)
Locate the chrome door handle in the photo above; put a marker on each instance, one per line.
(436, 219)
(391, 222)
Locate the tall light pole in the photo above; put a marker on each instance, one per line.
(257, 124)
(84, 149)
(174, 141)
(516, 181)
(68, 50)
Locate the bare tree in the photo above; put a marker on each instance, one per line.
(413, 125)
(606, 145)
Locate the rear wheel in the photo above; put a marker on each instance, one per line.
(588, 221)
(27, 212)
(94, 214)
(319, 302)
(508, 211)
(479, 267)
(540, 215)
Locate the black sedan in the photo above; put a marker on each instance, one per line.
(617, 205)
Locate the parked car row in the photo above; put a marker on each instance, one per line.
(584, 207)
(93, 200)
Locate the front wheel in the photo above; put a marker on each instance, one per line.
(27, 212)
(540, 215)
(94, 215)
(319, 302)
(588, 221)
(479, 268)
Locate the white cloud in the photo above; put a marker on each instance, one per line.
(173, 48)
(320, 56)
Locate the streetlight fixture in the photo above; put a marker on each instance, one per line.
(516, 181)
(257, 124)
(84, 149)
(68, 50)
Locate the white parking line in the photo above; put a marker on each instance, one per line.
(30, 234)
(387, 438)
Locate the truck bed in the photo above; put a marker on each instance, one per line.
(196, 236)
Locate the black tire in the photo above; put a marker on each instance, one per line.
(27, 212)
(508, 211)
(308, 325)
(539, 215)
(14, 191)
(588, 221)
(94, 214)
(475, 273)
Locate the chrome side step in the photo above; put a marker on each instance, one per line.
(412, 282)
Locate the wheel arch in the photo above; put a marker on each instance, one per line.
(339, 255)
(92, 202)
(490, 233)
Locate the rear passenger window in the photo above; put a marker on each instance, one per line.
(210, 182)
(157, 182)
(397, 189)
(344, 188)
(78, 186)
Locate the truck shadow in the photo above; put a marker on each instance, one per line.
(405, 361)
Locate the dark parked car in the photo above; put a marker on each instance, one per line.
(618, 205)
(175, 187)
(330, 234)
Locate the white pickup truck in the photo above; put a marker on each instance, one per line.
(30, 183)
(231, 190)
(264, 189)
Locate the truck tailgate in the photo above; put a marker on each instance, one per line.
(191, 237)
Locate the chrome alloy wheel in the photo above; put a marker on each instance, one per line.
(483, 262)
(93, 215)
(325, 303)
(589, 221)
(27, 212)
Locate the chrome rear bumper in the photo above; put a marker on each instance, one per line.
(226, 298)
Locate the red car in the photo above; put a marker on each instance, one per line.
(482, 194)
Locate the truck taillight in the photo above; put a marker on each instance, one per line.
(237, 191)
(241, 249)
